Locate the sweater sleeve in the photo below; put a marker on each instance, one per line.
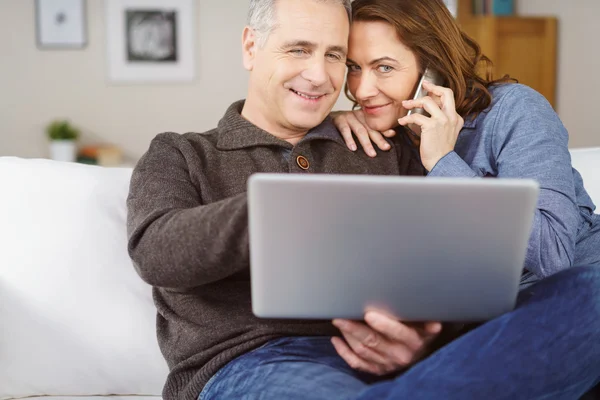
(529, 141)
(174, 240)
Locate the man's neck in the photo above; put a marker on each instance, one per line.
(251, 112)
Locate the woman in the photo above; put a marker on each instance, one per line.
(478, 127)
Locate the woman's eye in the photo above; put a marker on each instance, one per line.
(353, 68)
(385, 68)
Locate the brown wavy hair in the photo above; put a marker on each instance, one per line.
(428, 29)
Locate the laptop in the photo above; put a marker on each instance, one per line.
(418, 248)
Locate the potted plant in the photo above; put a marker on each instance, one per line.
(63, 137)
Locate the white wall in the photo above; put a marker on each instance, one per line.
(38, 86)
(578, 64)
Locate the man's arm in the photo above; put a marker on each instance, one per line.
(174, 240)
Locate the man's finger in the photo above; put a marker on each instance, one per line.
(366, 353)
(374, 348)
(353, 360)
(394, 330)
(433, 328)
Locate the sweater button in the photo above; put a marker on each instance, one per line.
(302, 162)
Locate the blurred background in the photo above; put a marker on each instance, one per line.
(118, 91)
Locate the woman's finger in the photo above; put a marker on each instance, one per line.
(437, 99)
(428, 104)
(446, 95)
(367, 145)
(379, 140)
(361, 132)
(346, 133)
(375, 136)
(340, 120)
(416, 119)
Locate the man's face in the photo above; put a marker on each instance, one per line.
(297, 76)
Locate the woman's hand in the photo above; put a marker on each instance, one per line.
(439, 132)
(383, 345)
(353, 122)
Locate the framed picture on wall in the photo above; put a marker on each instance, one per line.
(60, 24)
(150, 40)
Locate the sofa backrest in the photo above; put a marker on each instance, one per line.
(75, 317)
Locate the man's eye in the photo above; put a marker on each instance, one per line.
(298, 52)
(385, 68)
(334, 57)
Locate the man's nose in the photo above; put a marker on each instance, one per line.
(367, 87)
(316, 73)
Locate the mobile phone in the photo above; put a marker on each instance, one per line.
(428, 75)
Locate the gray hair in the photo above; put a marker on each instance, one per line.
(262, 18)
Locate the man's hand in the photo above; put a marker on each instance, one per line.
(383, 345)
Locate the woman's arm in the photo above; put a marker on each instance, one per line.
(530, 141)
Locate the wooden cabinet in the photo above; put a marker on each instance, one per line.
(524, 47)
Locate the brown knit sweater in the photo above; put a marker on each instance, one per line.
(188, 235)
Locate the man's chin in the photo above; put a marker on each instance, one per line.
(307, 121)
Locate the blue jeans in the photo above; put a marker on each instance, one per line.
(547, 348)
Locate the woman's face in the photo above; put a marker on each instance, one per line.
(382, 72)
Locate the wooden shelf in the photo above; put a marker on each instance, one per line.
(523, 47)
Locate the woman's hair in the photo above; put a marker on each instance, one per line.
(428, 29)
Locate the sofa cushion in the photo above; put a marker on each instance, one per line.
(587, 162)
(76, 319)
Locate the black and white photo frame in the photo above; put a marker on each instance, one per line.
(60, 24)
(150, 40)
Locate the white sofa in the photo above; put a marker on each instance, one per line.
(75, 319)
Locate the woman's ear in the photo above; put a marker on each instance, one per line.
(249, 47)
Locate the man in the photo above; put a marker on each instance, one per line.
(188, 238)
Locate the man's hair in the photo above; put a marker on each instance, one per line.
(262, 16)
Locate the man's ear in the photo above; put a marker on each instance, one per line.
(249, 47)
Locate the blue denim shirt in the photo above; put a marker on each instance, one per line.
(520, 136)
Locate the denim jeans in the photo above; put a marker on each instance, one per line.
(547, 348)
